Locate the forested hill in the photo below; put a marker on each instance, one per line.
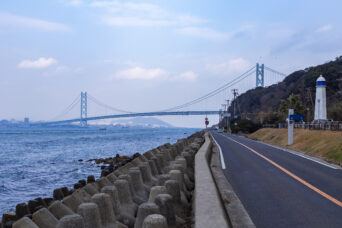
(302, 82)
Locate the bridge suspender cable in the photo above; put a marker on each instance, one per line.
(216, 91)
(96, 101)
(67, 109)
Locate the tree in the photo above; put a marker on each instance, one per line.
(292, 102)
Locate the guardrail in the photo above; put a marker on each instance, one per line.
(329, 126)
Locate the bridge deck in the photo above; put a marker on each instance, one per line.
(181, 113)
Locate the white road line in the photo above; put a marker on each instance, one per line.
(298, 154)
(221, 154)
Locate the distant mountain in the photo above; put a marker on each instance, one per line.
(141, 122)
(303, 83)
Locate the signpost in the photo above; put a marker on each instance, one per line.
(206, 123)
(290, 127)
(296, 117)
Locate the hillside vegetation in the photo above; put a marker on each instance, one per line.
(264, 102)
(325, 144)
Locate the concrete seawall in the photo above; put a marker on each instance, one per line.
(153, 190)
(209, 211)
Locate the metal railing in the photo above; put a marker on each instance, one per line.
(329, 125)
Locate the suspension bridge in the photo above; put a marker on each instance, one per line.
(264, 76)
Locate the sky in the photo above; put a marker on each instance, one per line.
(151, 55)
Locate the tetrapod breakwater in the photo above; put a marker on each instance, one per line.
(154, 189)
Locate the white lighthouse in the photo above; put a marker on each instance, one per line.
(321, 101)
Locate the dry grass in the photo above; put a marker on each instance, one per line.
(326, 144)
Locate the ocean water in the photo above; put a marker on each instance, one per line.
(33, 162)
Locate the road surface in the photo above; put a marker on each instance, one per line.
(281, 189)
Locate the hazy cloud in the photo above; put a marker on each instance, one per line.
(11, 20)
(212, 34)
(37, 64)
(232, 66)
(188, 75)
(57, 71)
(74, 2)
(325, 28)
(141, 14)
(206, 33)
(141, 73)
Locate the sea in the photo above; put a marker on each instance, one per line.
(35, 161)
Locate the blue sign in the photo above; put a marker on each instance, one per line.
(297, 117)
(236, 117)
(320, 83)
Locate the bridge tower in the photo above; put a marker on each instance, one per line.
(84, 109)
(259, 75)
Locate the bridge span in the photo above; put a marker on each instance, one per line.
(178, 113)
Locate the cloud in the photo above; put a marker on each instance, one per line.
(37, 64)
(232, 66)
(212, 34)
(206, 33)
(325, 28)
(141, 15)
(133, 21)
(74, 2)
(141, 73)
(11, 20)
(57, 71)
(188, 75)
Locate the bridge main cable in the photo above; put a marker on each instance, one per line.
(214, 92)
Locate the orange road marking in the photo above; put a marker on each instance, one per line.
(332, 199)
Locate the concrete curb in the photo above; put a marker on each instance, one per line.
(238, 216)
(208, 208)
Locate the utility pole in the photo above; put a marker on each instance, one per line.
(235, 93)
(308, 101)
(228, 120)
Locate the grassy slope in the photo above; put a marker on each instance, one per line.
(326, 144)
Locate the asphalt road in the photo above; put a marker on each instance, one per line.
(281, 189)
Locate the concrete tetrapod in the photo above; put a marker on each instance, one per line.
(155, 221)
(24, 223)
(82, 195)
(156, 190)
(91, 189)
(127, 206)
(113, 193)
(71, 221)
(147, 175)
(138, 185)
(181, 206)
(21, 210)
(125, 218)
(166, 207)
(155, 160)
(160, 162)
(72, 202)
(111, 177)
(162, 178)
(144, 210)
(108, 218)
(178, 176)
(59, 210)
(136, 198)
(44, 218)
(102, 182)
(91, 215)
(153, 166)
